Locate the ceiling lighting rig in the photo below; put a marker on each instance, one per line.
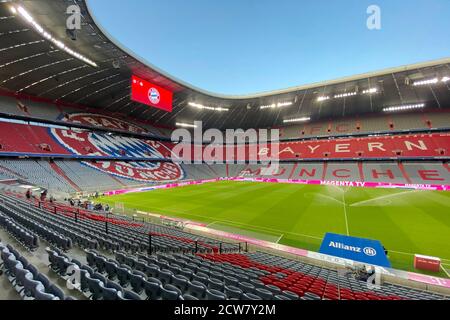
(323, 98)
(345, 95)
(348, 94)
(202, 107)
(370, 91)
(304, 119)
(185, 125)
(276, 105)
(430, 81)
(46, 35)
(405, 107)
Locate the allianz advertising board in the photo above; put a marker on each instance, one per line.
(357, 249)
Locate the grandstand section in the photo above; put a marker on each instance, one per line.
(67, 177)
(370, 125)
(97, 202)
(47, 140)
(272, 275)
(383, 172)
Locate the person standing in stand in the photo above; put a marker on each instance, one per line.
(43, 195)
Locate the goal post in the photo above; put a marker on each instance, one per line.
(119, 207)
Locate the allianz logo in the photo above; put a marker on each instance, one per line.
(368, 251)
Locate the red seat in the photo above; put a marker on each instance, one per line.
(300, 286)
(280, 285)
(315, 291)
(331, 296)
(297, 291)
(317, 287)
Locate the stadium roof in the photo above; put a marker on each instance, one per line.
(95, 71)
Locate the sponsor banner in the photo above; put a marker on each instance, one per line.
(150, 94)
(356, 184)
(429, 280)
(428, 263)
(306, 182)
(356, 249)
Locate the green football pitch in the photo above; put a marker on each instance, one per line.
(405, 221)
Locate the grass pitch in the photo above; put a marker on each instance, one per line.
(406, 222)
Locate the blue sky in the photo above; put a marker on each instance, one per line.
(249, 46)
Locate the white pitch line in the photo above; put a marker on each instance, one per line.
(341, 189)
(212, 223)
(412, 254)
(383, 197)
(446, 272)
(345, 213)
(401, 252)
(253, 228)
(329, 198)
(279, 239)
(336, 187)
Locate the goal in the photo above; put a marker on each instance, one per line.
(119, 207)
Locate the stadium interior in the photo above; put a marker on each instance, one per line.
(71, 137)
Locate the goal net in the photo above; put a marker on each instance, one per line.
(119, 208)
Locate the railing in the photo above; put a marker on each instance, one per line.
(144, 227)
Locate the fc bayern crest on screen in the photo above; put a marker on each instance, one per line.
(154, 96)
(88, 143)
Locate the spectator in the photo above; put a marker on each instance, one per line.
(370, 273)
(364, 273)
(43, 195)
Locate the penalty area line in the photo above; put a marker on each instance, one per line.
(212, 223)
(356, 204)
(279, 239)
(446, 272)
(263, 229)
(412, 254)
